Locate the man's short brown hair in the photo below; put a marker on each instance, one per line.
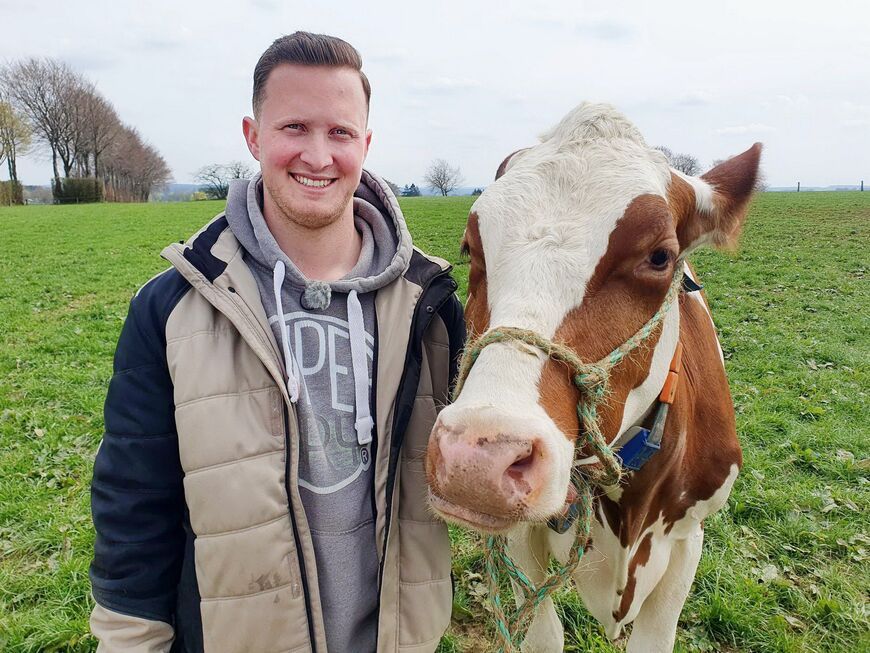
(307, 49)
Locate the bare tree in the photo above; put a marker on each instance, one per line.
(215, 178)
(81, 128)
(443, 177)
(668, 152)
(15, 138)
(685, 163)
(95, 126)
(132, 169)
(43, 90)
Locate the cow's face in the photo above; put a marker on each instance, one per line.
(577, 241)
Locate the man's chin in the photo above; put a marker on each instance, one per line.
(309, 214)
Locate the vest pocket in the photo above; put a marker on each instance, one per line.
(225, 428)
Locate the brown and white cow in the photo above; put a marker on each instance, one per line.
(577, 240)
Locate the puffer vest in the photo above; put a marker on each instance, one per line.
(252, 566)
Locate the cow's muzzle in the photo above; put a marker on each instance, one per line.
(484, 472)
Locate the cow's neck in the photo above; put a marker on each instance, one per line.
(643, 399)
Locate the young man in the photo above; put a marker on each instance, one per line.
(260, 484)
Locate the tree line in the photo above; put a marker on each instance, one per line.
(46, 105)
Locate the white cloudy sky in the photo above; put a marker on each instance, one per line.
(472, 81)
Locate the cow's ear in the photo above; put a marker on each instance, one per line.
(506, 163)
(711, 208)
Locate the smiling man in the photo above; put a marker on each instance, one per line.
(260, 483)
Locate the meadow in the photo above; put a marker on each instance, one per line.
(785, 565)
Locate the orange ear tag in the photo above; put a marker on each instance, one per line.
(669, 391)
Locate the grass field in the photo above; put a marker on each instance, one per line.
(785, 566)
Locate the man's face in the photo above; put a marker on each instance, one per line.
(311, 140)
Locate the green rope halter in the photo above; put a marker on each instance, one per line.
(592, 379)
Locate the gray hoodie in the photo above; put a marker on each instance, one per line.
(326, 334)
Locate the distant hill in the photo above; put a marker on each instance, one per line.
(175, 193)
(815, 189)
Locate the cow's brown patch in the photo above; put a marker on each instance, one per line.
(681, 200)
(734, 181)
(502, 168)
(700, 441)
(477, 304)
(640, 558)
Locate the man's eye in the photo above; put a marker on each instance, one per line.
(338, 131)
(293, 125)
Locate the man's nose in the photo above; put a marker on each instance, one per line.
(317, 153)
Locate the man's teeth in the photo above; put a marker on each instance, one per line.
(316, 183)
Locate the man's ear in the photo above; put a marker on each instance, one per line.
(711, 208)
(252, 136)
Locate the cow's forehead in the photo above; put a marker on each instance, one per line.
(547, 221)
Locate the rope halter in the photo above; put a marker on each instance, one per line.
(592, 379)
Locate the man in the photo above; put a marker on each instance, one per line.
(260, 484)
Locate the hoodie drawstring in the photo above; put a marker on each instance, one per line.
(356, 327)
(289, 362)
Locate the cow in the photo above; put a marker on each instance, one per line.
(578, 240)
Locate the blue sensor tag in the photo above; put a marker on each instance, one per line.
(637, 450)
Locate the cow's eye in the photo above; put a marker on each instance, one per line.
(659, 259)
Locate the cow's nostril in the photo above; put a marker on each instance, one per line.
(519, 468)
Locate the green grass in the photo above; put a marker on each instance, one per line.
(785, 564)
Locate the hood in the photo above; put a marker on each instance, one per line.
(386, 250)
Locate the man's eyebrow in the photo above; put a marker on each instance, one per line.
(289, 119)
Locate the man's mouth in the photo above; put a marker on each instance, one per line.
(310, 182)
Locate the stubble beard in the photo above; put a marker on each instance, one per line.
(309, 220)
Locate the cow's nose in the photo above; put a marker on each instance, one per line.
(490, 473)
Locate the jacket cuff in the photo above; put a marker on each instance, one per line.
(120, 632)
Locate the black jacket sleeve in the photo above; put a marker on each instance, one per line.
(137, 498)
(452, 315)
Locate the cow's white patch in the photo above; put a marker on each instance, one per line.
(704, 192)
(641, 398)
(700, 300)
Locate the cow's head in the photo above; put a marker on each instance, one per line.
(576, 240)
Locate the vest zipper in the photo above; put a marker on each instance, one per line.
(299, 554)
(389, 498)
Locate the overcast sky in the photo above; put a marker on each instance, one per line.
(472, 81)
